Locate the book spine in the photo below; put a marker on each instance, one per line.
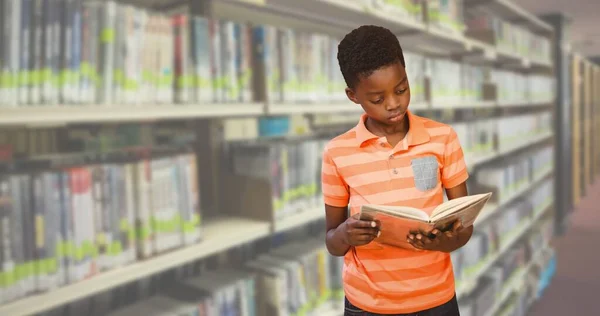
(128, 227)
(144, 210)
(8, 276)
(56, 64)
(24, 52)
(66, 249)
(35, 51)
(66, 28)
(215, 59)
(16, 216)
(3, 71)
(204, 72)
(107, 46)
(77, 48)
(180, 92)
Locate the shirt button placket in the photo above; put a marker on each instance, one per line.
(394, 170)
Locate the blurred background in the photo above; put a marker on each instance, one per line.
(162, 157)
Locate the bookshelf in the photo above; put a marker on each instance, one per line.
(497, 63)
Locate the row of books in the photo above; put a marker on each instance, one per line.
(513, 130)
(287, 173)
(297, 279)
(405, 9)
(89, 52)
(486, 135)
(65, 224)
(509, 37)
(515, 174)
(453, 82)
(101, 52)
(494, 283)
(515, 87)
(477, 137)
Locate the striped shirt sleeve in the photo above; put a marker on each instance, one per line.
(454, 170)
(335, 190)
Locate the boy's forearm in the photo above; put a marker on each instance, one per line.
(335, 242)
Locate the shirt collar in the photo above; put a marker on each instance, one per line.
(417, 133)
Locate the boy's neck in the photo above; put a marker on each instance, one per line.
(384, 130)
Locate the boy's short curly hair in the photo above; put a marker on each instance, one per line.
(365, 50)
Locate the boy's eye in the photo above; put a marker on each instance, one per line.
(401, 91)
(377, 101)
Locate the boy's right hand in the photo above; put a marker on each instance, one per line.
(359, 232)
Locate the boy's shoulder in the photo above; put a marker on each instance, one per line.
(436, 128)
(431, 123)
(345, 139)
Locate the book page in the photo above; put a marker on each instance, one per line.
(466, 215)
(457, 204)
(396, 211)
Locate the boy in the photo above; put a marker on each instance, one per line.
(391, 157)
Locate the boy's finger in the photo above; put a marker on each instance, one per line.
(457, 226)
(366, 231)
(414, 244)
(363, 224)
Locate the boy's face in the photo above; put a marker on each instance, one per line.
(384, 95)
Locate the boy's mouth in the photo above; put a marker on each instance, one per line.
(396, 117)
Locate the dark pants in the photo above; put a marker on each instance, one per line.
(447, 309)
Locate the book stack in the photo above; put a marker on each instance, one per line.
(66, 224)
(506, 179)
(509, 37)
(415, 64)
(511, 87)
(300, 67)
(473, 80)
(476, 138)
(542, 196)
(299, 278)
(445, 78)
(287, 173)
(541, 162)
(540, 89)
(101, 52)
(514, 130)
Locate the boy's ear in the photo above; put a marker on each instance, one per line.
(351, 95)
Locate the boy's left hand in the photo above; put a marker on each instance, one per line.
(447, 241)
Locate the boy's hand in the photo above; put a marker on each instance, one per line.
(357, 232)
(437, 240)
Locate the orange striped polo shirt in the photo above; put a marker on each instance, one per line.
(362, 168)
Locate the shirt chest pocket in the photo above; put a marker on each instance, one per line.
(426, 172)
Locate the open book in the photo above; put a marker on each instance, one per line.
(398, 222)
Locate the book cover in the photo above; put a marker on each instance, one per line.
(106, 66)
(202, 59)
(24, 52)
(146, 235)
(215, 59)
(396, 223)
(84, 265)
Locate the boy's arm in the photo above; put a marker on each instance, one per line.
(334, 218)
(342, 232)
